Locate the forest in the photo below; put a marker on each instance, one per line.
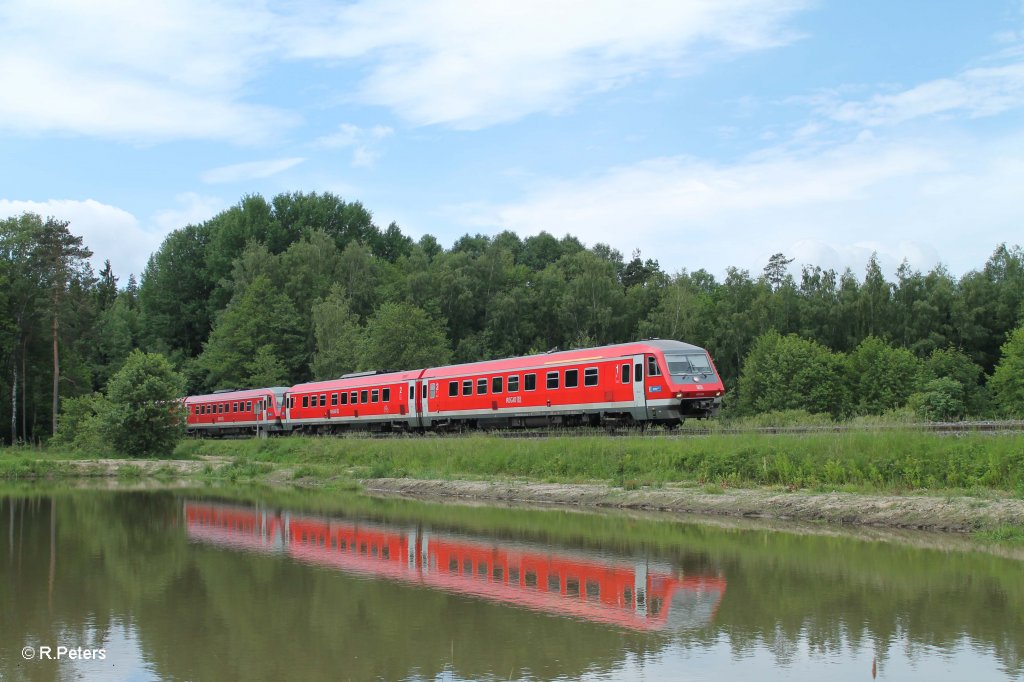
(306, 286)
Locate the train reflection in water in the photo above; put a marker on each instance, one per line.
(641, 596)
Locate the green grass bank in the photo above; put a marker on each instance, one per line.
(884, 461)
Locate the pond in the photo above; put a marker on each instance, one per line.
(261, 585)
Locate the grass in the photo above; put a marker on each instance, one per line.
(891, 460)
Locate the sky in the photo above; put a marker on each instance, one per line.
(705, 133)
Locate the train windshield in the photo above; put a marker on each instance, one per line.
(692, 363)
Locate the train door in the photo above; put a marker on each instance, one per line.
(261, 413)
(414, 404)
(639, 388)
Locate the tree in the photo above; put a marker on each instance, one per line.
(401, 336)
(257, 317)
(338, 336)
(1007, 382)
(880, 376)
(956, 366)
(62, 257)
(791, 373)
(145, 416)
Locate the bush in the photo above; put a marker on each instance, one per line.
(82, 425)
(144, 415)
(1007, 382)
(940, 400)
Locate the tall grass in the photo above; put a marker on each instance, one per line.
(889, 460)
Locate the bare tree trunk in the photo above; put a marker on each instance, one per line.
(14, 396)
(56, 369)
(24, 388)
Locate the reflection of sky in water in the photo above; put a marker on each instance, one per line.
(125, 661)
(805, 661)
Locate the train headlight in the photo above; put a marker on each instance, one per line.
(679, 394)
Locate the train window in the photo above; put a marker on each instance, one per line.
(234, 407)
(572, 378)
(467, 387)
(248, 406)
(590, 376)
(554, 583)
(529, 382)
(363, 395)
(481, 569)
(513, 383)
(530, 579)
(467, 567)
(344, 398)
(552, 380)
(453, 564)
(627, 597)
(385, 552)
(354, 398)
(323, 400)
(593, 589)
(625, 373)
(375, 395)
(433, 390)
(572, 587)
(481, 386)
(496, 384)
(334, 399)
(652, 367)
(498, 574)
(385, 395)
(638, 372)
(453, 389)
(223, 408)
(513, 575)
(291, 401)
(305, 401)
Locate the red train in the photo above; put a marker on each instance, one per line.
(636, 595)
(647, 382)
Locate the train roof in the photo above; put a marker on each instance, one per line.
(540, 360)
(235, 394)
(358, 380)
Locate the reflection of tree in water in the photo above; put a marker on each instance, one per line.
(204, 613)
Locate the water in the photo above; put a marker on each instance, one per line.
(184, 586)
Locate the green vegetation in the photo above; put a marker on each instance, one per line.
(306, 286)
(140, 416)
(873, 460)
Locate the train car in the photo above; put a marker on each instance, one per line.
(372, 400)
(236, 412)
(654, 381)
(646, 382)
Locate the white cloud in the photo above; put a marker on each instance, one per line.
(110, 232)
(977, 92)
(473, 64)
(253, 170)
(135, 71)
(192, 209)
(926, 200)
(364, 142)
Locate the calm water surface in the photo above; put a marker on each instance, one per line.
(185, 586)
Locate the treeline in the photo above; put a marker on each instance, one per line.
(306, 286)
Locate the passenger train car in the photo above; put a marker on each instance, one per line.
(637, 595)
(647, 382)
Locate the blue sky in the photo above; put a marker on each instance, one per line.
(706, 133)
